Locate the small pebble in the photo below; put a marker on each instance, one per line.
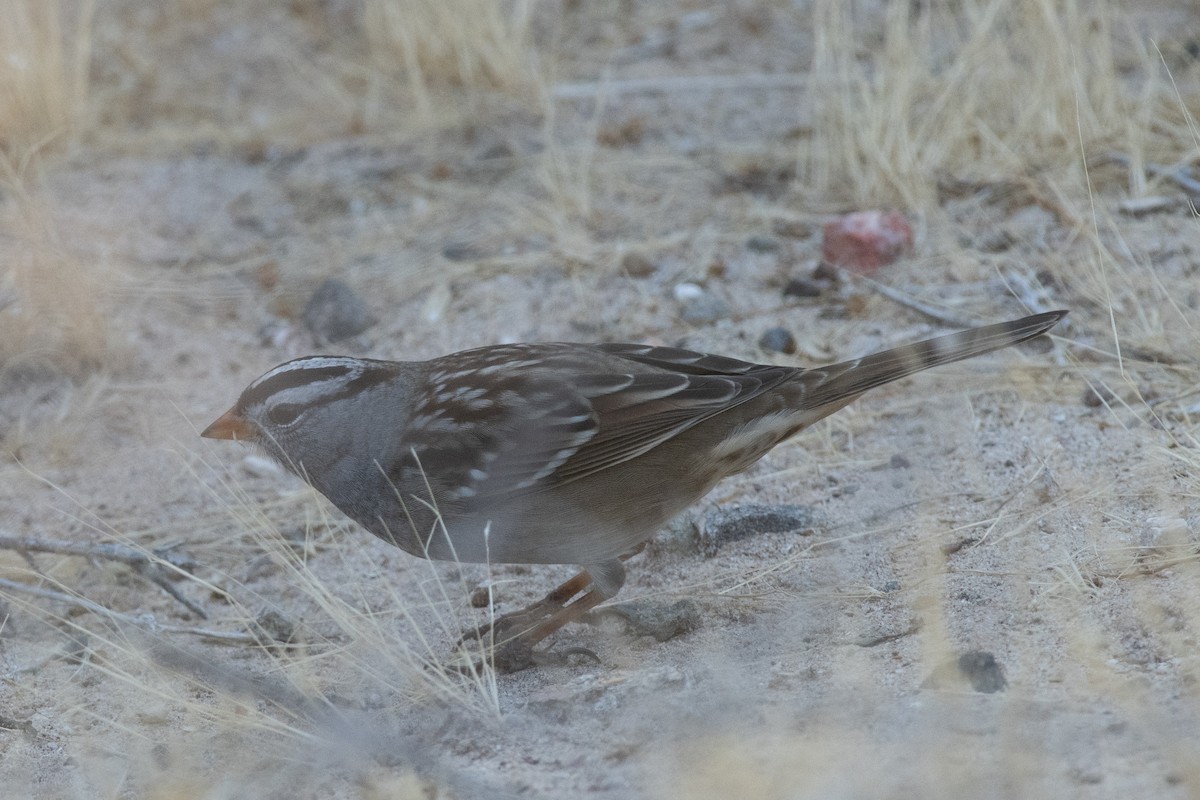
(1167, 533)
(792, 228)
(899, 462)
(480, 597)
(699, 306)
(274, 333)
(649, 618)
(336, 312)
(977, 669)
(778, 340)
(276, 626)
(994, 240)
(710, 309)
(267, 275)
(460, 251)
(681, 535)
(983, 671)
(761, 243)
(76, 648)
(637, 265)
(696, 20)
(1097, 396)
(826, 272)
(802, 287)
(499, 150)
(727, 525)
(864, 241)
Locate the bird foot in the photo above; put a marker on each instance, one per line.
(508, 641)
(511, 626)
(512, 656)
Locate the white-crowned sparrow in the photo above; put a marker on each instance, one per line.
(550, 453)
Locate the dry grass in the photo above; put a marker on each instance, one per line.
(1023, 101)
(55, 310)
(389, 643)
(333, 686)
(49, 425)
(44, 62)
(1026, 92)
(437, 44)
(980, 91)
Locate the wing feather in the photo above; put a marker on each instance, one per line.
(621, 401)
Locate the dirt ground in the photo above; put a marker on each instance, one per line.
(993, 588)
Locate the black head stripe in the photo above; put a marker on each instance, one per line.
(326, 378)
(289, 379)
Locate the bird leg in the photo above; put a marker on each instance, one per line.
(513, 636)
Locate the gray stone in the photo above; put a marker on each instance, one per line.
(983, 671)
(727, 525)
(335, 312)
(802, 287)
(663, 621)
(761, 243)
(976, 669)
(778, 340)
(637, 265)
(703, 309)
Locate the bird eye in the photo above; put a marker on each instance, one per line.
(284, 413)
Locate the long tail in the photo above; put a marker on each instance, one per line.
(838, 382)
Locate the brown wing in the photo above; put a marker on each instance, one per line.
(545, 415)
(510, 419)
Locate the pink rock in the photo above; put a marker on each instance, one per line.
(866, 240)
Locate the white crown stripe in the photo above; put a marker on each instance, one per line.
(352, 367)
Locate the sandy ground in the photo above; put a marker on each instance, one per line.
(995, 592)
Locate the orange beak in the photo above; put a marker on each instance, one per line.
(230, 425)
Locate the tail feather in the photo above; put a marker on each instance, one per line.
(836, 383)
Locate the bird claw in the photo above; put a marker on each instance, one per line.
(562, 657)
(509, 626)
(514, 655)
(508, 641)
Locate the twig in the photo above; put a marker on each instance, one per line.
(156, 577)
(107, 550)
(1188, 184)
(1025, 291)
(895, 295)
(23, 725)
(673, 85)
(147, 564)
(146, 622)
(1180, 175)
